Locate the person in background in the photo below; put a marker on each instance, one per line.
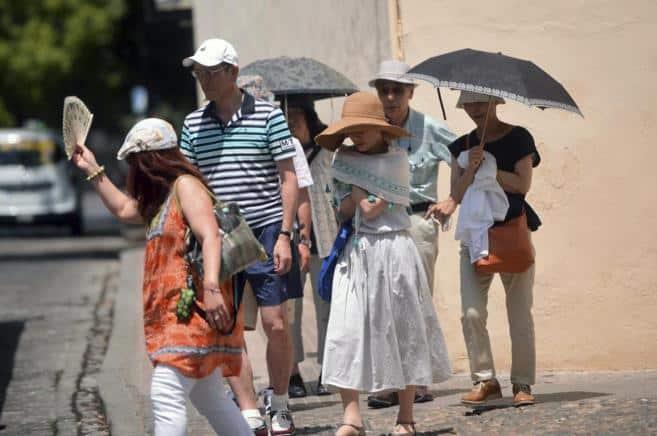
(427, 148)
(244, 149)
(516, 155)
(305, 125)
(169, 196)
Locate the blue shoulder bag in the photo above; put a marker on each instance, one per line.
(325, 284)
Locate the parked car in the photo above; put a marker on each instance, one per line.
(37, 184)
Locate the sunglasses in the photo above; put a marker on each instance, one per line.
(390, 89)
(202, 74)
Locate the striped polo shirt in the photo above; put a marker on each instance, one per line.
(238, 159)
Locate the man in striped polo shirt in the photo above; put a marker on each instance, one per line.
(244, 149)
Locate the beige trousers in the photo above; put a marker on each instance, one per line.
(322, 309)
(474, 314)
(425, 235)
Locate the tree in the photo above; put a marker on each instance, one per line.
(53, 48)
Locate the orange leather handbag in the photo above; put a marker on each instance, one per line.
(509, 248)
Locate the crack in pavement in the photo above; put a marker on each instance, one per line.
(86, 402)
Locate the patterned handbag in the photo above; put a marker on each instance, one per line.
(239, 246)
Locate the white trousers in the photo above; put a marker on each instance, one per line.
(169, 392)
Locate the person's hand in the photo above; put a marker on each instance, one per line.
(475, 157)
(84, 159)
(304, 257)
(282, 255)
(442, 211)
(216, 310)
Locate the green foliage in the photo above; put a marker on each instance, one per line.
(53, 48)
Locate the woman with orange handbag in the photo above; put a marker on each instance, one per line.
(516, 155)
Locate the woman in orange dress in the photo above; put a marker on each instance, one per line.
(191, 353)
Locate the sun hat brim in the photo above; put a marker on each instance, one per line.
(392, 78)
(473, 97)
(331, 138)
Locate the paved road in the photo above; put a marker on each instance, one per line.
(56, 301)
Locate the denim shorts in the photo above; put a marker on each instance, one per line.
(269, 288)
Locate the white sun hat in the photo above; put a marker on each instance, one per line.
(475, 97)
(212, 52)
(394, 71)
(148, 135)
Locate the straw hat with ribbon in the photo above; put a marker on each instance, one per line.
(360, 109)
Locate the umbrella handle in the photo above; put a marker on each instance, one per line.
(483, 132)
(442, 106)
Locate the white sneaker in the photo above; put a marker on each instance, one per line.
(257, 425)
(282, 423)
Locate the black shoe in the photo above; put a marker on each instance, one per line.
(423, 398)
(380, 401)
(296, 388)
(321, 389)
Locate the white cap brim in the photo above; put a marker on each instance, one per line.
(190, 61)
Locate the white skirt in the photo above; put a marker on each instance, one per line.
(383, 332)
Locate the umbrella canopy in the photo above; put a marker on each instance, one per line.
(286, 76)
(495, 74)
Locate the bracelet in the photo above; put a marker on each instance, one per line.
(98, 172)
(286, 233)
(213, 290)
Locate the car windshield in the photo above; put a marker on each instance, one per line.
(28, 153)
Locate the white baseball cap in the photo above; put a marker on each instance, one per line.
(213, 52)
(149, 134)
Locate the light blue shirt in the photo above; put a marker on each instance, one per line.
(426, 147)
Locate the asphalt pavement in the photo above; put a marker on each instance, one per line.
(56, 310)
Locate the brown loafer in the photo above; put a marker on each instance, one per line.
(522, 395)
(482, 392)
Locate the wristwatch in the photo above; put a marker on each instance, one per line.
(286, 233)
(307, 242)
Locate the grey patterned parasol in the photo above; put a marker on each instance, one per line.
(287, 76)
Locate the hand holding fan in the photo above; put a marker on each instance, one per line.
(76, 124)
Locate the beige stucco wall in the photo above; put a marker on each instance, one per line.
(596, 189)
(350, 36)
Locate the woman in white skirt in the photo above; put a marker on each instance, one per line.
(383, 332)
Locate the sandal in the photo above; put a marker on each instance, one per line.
(396, 433)
(359, 429)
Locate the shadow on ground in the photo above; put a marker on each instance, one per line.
(319, 405)
(556, 397)
(447, 392)
(10, 333)
(96, 254)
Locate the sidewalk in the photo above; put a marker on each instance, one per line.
(611, 403)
